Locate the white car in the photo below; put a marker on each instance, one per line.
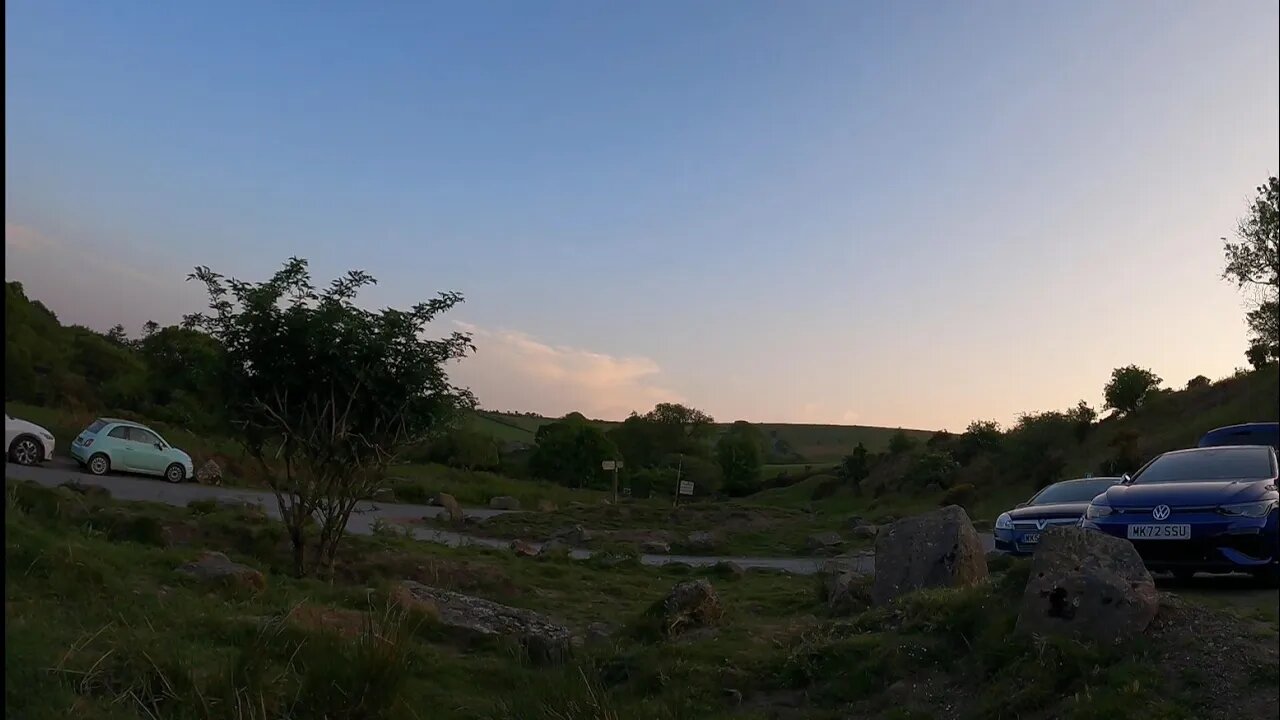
(27, 442)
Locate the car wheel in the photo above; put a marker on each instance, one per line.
(99, 464)
(175, 473)
(26, 450)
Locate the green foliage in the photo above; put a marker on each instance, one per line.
(900, 443)
(1036, 447)
(981, 437)
(963, 495)
(932, 467)
(323, 393)
(1253, 263)
(1199, 381)
(467, 449)
(1083, 417)
(570, 452)
(170, 375)
(740, 452)
(1129, 388)
(668, 429)
(856, 466)
(1126, 455)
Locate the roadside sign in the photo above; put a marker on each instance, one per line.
(610, 465)
(686, 487)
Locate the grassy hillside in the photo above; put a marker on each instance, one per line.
(1177, 419)
(816, 444)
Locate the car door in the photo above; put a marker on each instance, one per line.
(119, 447)
(145, 450)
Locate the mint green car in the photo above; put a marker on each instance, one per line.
(111, 444)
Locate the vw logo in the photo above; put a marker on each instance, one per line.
(1160, 512)
(1041, 523)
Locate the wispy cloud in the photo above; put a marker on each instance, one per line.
(25, 239)
(513, 370)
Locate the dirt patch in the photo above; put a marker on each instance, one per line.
(1231, 661)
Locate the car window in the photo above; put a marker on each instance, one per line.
(1222, 463)
(143, 436)
(1074, 491)
(120, 432)
(95, 427)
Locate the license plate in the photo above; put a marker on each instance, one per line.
(1030, 538)
(1159, 532)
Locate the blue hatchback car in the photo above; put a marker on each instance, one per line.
(1208, 509)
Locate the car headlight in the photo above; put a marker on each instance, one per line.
(1096, 511)
(1004, 522)
(1251, 510)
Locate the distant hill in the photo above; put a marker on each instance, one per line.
(811, 443)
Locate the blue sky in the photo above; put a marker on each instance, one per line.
(907, 213)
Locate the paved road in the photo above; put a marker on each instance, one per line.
(135, 488)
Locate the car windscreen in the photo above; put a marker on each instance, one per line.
(95, 426)
(1073, 491)
(1224, 463)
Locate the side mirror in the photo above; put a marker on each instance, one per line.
(1125, 479)
(159, 446)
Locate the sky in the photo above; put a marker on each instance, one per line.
(907, 214)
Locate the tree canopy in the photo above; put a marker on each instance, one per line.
(1253, 264)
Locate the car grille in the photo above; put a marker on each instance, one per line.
(1048, 523)
(1173, 511)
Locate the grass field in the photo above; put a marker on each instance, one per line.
(98, 625)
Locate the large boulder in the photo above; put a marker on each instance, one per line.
(504, 502)
(936, 549)
(690, 604)
(217, 568)
(1087, 584)
(472, 618)
(451, 506)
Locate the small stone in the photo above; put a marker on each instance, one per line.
(504, 502)
(524, 548)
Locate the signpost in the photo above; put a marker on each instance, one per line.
(613, 465)
(686, 487)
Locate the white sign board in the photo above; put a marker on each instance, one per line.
(610, 465)
(686, 487)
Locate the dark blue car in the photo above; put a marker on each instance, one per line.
(1258, 433)
(1201, 510)
(1018, 531)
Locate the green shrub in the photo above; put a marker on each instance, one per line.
(963, 495)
